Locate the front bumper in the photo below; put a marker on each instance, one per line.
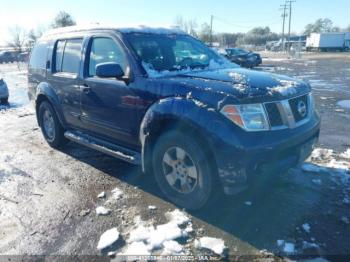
(273, 150)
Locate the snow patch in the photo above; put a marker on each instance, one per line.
(346, 154)
(306, 227)
(152, 208)
(149, 237)
(108, 238)
(117, 193)
(172, 247)
(214, 244)
(321, 154)
(102, 211)
(177, 217)
(286, 88)
(289, 248)
(136, 249)
(102, 195)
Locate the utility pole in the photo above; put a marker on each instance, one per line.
(211, 30)
(284, 15)
(290, 2)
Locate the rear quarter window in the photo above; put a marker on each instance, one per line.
(38, 56)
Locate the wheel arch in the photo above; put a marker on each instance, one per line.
(174, 114)
(45, 92)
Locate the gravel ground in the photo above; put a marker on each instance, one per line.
(48, 197)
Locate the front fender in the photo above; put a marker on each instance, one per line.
(202, 118)
(45, 90)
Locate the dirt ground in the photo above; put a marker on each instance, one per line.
(48, 197)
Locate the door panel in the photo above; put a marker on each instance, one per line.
(102, 99)
(65, 71)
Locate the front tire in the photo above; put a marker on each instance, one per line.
(182, 170)
(50, 125)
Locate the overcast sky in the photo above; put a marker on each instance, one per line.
(230, 15)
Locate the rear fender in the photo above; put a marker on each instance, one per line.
(45, 91)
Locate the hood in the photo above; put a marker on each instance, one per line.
(245, 84)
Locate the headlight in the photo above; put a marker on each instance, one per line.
(250, 117)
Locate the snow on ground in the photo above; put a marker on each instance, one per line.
(324, 161)
(346, 154)
(152, 208)
(102, 211)
(214, 244)
(108, 238)
(117, 193)
(147, 237)
(321, 154)
(102, 195)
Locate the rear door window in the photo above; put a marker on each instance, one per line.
(68, 54)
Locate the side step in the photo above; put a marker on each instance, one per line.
(105, 147)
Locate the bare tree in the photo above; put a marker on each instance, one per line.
(188, 26)
(18, 38)
(63, 19)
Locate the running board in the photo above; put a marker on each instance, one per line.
(105, 147)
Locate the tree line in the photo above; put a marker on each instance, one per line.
(21, 40)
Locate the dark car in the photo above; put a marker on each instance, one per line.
(7, 57)
(162, 99)
(243, 57)
(4, 92)
(23, 57)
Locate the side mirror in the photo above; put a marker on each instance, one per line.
(106, 70)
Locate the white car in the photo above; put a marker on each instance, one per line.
(4, 92)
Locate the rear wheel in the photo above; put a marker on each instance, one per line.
(50, 126)
(182, 170)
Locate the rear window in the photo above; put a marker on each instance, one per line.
(38, 56)
(67, 57)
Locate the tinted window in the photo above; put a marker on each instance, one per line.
(105, 50)
(38, 56)
(71, 56)
(59, 55)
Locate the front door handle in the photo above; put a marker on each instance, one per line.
(86, 89)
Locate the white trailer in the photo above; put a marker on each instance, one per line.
(327, 42)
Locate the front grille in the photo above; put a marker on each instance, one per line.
(274, 114)
(299, 107)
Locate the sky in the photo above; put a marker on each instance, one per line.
(229, 15)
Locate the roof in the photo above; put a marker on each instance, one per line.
(135, 29)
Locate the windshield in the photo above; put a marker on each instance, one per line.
(173, 53)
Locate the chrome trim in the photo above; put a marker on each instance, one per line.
(287, 114)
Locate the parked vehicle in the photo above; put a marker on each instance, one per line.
(328, 42)
(23, 57)
(7, 57)
(243, 57)
(4, 92)
(164, 100)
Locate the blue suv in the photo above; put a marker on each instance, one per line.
(159, 98)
